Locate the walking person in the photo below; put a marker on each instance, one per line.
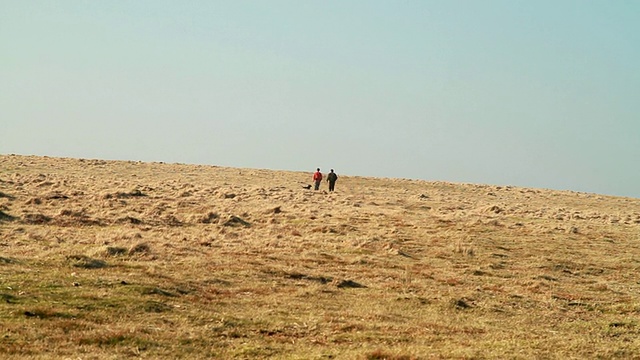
(317, 177)
(331, 179)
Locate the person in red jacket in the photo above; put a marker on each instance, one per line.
(317, 177)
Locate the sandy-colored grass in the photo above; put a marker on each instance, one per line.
(113, 259)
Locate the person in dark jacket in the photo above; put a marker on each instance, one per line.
(331, 179)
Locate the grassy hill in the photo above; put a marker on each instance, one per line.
(115, 259)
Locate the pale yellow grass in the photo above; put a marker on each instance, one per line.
(112, 259)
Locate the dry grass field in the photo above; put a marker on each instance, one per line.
(116, 259)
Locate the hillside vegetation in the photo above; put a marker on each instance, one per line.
(116, 259)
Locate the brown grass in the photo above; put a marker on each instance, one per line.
(114, 259)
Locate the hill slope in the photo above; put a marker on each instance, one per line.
(110, 259)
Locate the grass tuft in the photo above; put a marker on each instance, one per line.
(86, 262)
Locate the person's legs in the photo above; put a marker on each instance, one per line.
(317, 185)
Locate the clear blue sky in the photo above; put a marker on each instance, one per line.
(539, 94)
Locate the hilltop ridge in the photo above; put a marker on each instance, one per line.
(225, 262)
